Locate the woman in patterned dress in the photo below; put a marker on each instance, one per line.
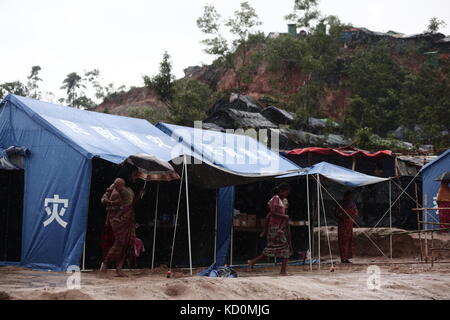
(278, 236)
(119, 201)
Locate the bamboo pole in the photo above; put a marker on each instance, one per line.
(154, 226)
(318, 217)
(309, 223)
(418, 222)
(390, 217)
(188, 218)
(215, 230)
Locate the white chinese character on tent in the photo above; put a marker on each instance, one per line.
(75, 128)
(53, 213)
(158, 141)
(105, 133)
(133, 138)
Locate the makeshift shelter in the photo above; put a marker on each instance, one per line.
(381, 163)
(233, 118)
(61, 143)
(430, 173)
(342, 176)
(221, 161)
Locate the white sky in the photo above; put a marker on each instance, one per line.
(126, 39)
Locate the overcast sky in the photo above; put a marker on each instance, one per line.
(126, 39)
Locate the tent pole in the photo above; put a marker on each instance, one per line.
(231, 246)
(176, 219)
(84, 256)
(187, 212)
(215, 230)
(390, 217)
(154, 225)
(425, 216)
(318, 218)
(309, 223)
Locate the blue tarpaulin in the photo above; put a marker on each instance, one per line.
(344, 176)
(236, 153)
(224, 223)
(430, 187)
(241, 156)
(61, 143)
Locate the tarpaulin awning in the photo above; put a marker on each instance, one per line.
(224, 159)
(345, 152)
(344, 176)
(96, 134)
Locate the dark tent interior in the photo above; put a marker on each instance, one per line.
(11, 199)
(202, 220)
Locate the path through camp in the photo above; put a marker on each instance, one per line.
(397, 281)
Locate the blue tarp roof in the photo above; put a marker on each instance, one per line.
(339, 174)
(442, 156)
(235, 153)
(430, 187)
(110, 137)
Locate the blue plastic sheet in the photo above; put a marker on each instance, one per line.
(61, 143)
(430, 187)
(339, 175)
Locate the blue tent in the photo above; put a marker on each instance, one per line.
(236, 155)
(61, 143)
(231, 159)
(430, 187)
(343, 176)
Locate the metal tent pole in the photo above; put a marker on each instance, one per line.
(390, 216)
(231, 246)
(309, 223)
(154, 225)
(84, 256)
(318, 218)
(176, 219)
(215, 230)
(187, 213)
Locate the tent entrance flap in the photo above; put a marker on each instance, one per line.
(225, 207)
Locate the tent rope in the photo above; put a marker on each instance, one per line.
(326, 227)
(393, 203)
(412, 199)
(176, 219)
(368, 236)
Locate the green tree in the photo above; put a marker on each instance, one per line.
(33, 83)
(15, 87)
(152, 115)
(92, 78)
(163, 82)
(241, 25)
(375, 80)
(286, 54)
(191, 101)
(73, 84)
(305, 13)
(435, 24)
(209, 23)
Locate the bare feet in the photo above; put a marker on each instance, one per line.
(250, 265)
(103, 268)
(121, 274)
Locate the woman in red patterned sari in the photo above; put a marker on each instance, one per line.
(278, 235)
(346, 218)
(118, 199)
